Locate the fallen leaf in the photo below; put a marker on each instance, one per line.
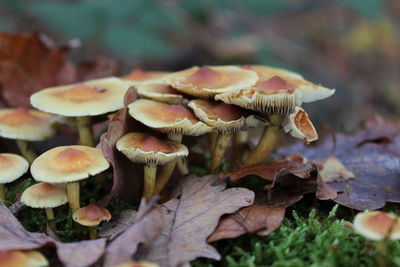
(191, 218)
(117, 225)
(332, 170)
(81, 254)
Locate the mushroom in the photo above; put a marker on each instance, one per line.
(175, 120)
(207, 81)
(22, 258)
(91, 216)
(147, 149)
(161, 92)
(299, 126)
(47, 196)
(25, 125)
(377, 225)
(276, 94)
(11, 168)
(69, 164)
(82, 100)
(225, 119)
(138, 76)
(137, 264)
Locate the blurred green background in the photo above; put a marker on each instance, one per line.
(350, 45)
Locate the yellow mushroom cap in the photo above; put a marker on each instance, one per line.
(144, 148)
(90, 98)
(377, 225)
(45, 195)
(167, 118)
(207, 81)
(299, 126)
(68, 164)
(263, 71)
(223, 117)
(138, 76)
(161, 92)
(12, 167)
(137, 264)
(26, 124)
(22, 258)
(91, 215)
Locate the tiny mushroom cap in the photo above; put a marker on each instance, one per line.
(68, 164)
(223, 117)
(26, 124)
(22, 258)
(45, 195)
(167, 118)
(144, 148)
(90, 98)
(377, 225)
(12, 167)
(207, 81)
(137, 264)
(161, 92)
(138, 76)
(91, 215)
(299, 126)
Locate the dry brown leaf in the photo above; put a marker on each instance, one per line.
(332, 170)
(192, 218)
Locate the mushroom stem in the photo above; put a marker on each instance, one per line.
(93, 232)
(268, 141)
(183, 166)
(26, 151)
(2, 192)
(212, 140)
(73, 195)
(219, 151)
(166, 170)
(85, 131)
(240, 141)
(150, 171)
(50, 216)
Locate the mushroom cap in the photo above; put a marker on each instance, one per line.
(139, 76)
(161, 92)
(91, 215)
(12, 167)
(224, 118)
(167, 118)
(138, 264)
(90, 98)
(272, 71)
(26, 124)
(377, 225)
(299, 126)
(45, 195)
(68, 164)
(207, 81)
(144, 148)
(22, 258)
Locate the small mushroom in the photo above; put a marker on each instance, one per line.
(22, 258)
(91, 216)
(137, 264)
(225, 119)
(11, 168)
(299, 126)
(161, 92)
(377, 225)
(175, 120)
(138, 76)
(207, 81)
(147, 149)
(26, 125)
(47, 196)
(82, 100)
(69, 164)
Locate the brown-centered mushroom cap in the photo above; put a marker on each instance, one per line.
(45, 195)
(299, 126)
(161, 92)
(138, 76)
(26, 124)
(68, 164)
(89, 98)
(12, 167)
(137, 264)
(22, 258)
(144, 148)
(91, 215)
(377, 225)
(167, 118)
(223, 117)
(264, 72)
(207, 81)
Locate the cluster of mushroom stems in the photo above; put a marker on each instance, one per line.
(221, 101)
